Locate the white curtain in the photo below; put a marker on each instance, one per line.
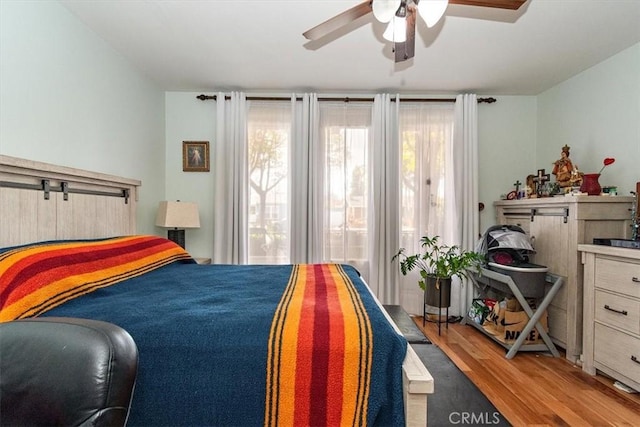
(269, 141)
(344, 129)
(465, 157)
(306, 182)
(384, 222)
(230, 239)
(427, 201)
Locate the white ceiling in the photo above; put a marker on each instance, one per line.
(257, 45)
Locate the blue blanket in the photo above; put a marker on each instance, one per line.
(202, 333)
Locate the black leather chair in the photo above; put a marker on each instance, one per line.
(65, 371)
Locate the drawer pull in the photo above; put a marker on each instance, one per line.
(635, 359)
(635, 279)
(623, 312)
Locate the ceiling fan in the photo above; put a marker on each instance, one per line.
(401, 18)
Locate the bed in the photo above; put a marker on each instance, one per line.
(219, 344)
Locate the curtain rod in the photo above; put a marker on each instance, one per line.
(204, 97)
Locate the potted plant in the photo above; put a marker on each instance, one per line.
(438, 263)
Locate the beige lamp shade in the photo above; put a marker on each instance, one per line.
(178, 215)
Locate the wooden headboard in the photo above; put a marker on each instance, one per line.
(41, 201)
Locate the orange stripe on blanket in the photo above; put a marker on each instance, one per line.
(34, 279)
(320, 352)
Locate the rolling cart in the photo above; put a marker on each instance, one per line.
(503, 283)
(508, 272)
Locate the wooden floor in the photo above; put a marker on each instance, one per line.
(534, 388)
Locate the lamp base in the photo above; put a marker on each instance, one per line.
(176, 236)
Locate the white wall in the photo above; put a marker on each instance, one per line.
(68, 98)
(189, 119)
(596, 113)
(506, 149)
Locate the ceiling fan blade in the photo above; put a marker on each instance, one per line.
(500, 4)
(338, 21)
(384, 10)
(407, 49)
(432, 11)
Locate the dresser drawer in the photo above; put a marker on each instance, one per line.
(616, 350)
(618, 311)
(617, 276)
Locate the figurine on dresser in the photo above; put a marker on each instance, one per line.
(566, 173)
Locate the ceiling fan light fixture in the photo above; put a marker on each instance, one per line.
(385, 10)
(432, 10)
(396, 31)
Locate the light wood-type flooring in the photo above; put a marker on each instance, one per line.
(534, 389)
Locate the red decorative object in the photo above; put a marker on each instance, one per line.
(607, 161)
(590, 184)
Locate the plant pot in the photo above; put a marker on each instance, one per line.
(590, 184)
(432, 296)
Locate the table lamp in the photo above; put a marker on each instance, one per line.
(177, 216)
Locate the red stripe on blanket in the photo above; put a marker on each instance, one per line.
(335, 359)
(321, 339)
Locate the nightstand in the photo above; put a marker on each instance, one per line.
(203, 260)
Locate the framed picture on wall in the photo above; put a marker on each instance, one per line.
(195, 156)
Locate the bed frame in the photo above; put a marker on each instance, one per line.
(41, 201)
(67, 204)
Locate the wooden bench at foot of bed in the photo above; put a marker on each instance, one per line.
(417, 383)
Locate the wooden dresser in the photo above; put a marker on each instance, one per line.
(557, 225)
(611, 342)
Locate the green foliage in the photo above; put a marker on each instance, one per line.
(439, 260)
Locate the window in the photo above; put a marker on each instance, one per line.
(269, 136)
(426, 130)
(344, 134)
